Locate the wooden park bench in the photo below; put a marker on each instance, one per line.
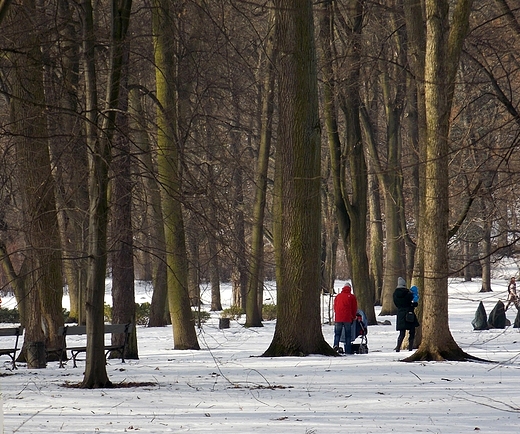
(111, 329)
(11, 350)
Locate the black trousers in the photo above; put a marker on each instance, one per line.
(400, 339)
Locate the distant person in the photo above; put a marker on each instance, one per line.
(345, 309)
(406, 318)
(511, 293)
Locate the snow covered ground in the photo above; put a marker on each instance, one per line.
(226, 388)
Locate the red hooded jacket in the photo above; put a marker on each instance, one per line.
(345, 305)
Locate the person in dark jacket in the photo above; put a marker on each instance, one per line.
(345, 309)
(406, 318)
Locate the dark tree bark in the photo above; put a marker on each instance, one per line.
(69, 155)
(154, 228)
(255, 281)
(100, 155)
(37, 188)
(123, 275)
(297, 215)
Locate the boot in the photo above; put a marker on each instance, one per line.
(398, 347)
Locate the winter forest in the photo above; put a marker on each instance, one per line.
(207, 141)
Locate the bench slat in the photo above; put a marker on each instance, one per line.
(11, 331)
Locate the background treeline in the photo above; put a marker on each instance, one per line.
(183, 148)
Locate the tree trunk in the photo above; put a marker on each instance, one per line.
(416, 50)
(357, 206)
(255, 281)
(393, 85)
(123, 275)
(376, 238)
(443, 48)
(184, 334)
(238, 218)
(330, 237)
(69, 159)
(156, 238)
(297, 187)
(37, 191)
(193, 252)
(214, 264)
(4, 7)
(486, 247)
(100, 149)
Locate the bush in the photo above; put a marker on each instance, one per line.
(107, 312)
(9, 315)
(142, 313)
(269, 312)
(233, 312)
(200, 316)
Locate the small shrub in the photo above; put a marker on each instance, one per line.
(269, 312)
(107, 312)
(200, 316)
(233, 312)
(142, 313)
(9, 315)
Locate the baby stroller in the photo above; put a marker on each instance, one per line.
(359, 329)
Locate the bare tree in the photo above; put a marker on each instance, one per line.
(255, 281)
(349, 169)
(44, 286)
(100, 154)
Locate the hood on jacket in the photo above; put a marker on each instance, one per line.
(401, 292)
(347, 288)
(401, 283)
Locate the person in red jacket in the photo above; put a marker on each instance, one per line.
(345, 309)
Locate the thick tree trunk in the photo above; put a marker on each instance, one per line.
(297, 187)
(443, 50)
